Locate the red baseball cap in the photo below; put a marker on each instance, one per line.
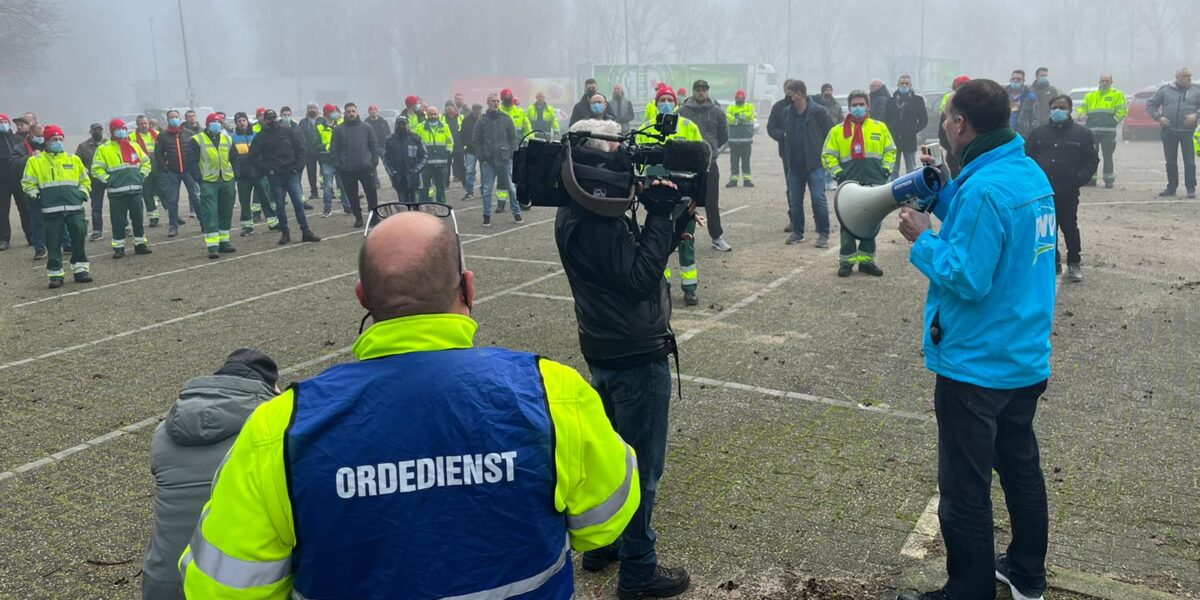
(116, 124)
(682, 92)
(53, 131)
(216, 118)
(961, 79)
(330, 108)
(260, 111)
(410, 100)
(506, 92)
(4, 117)
(740, 94)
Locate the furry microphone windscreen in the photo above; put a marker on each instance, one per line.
(687, 156)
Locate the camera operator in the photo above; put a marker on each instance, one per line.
(623, 308)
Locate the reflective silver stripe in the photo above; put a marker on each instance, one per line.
(846, 159)
(57, 184)
(739, 140)
(229, 571)
(613, 504)
(122, 167)
(58, 209)
(128, 188)
(1107, 129)
(436, 161)
(523, 586)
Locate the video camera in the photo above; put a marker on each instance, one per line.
(556, 173)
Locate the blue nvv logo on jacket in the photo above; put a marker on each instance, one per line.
(991, 273)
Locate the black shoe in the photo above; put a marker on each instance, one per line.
(747, 183)
(597, 560)
(732, 183)
(845, 270)
(358, 222)
(1058, 268)
(83, 277)
(487, 220)
(39, 254)
(172, 231)
(141, 249)
(286, 238)
(56, 282)
(306, 206)
(1167, 193)
(3, 246)
(309, 236)
(180, 222)
(313, 196)
(226, 248)
(96, 235)
(68, 249)
(1108, 185)
(666, 583)
(154, 221)
(934, 595)
(1191, 194)
(500, 205)
(691, 299)
(870, 268)
(118, 253)
(213, 253)
(518, 219)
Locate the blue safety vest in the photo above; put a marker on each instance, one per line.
(427, 475)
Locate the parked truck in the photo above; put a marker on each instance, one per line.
(758, 80)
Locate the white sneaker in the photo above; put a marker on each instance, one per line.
(1001, 569)
(721, 245)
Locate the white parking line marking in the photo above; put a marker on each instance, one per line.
(1130, 202)
(916, 545)
(744, 387)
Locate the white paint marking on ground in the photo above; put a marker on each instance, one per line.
(744, 387)
(171, 321)
(116, 433)
(203, 265)
(916, 545)
(739, 305)
(674, 311)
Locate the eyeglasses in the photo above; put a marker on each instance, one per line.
(437, 209)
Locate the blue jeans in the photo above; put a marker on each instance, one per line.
(469, 181)
(193, 191)
(637, 401)
(170, 194)
(815, 180)
(980, 429)
(97, 200)
(490, 175)
(289, 183)
(329, 176)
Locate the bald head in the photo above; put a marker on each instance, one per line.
(409, 265)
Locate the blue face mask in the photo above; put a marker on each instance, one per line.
(858, 112)
(37, 139)
(5, 128)
(597, 108)
(666, 108)
(174, 121)
(1016, 85)
(121, 134)
(214, 127)
(1043, 80)
(56, 147)
(904, 89)
(1059, 115)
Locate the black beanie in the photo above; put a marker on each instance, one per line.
(251, 364)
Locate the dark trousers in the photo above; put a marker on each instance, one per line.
(282, 184)
(169, 183)
(458, 166)
(739, 161)
(351, 180)
(980, 429)
(74, 226)
(151, 188)
(1107, 141)
(8, 193)
(637, 401)
(125, 209)
(312, 168)
(1066, 211)
(712, 202)
(1174, 144)
(97, 200)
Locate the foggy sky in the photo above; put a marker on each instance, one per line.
(384, 50)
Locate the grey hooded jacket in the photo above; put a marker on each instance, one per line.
(185, 452)
(1177, 105)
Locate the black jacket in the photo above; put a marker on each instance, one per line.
(622, 300)
(832, 106)
(174, 150)
(404, 158)
(1067, 153)
(24, 148)
(906, 117)
(815, 132)
(277, 151)
(354, 146)
(495, 138)
(382, 130)
(9, 142)
(712, 121)
(467, 131)
(307, 128)
(881, 100)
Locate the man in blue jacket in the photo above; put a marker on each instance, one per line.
(988, 318)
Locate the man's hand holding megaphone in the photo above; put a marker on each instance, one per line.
(914, 222)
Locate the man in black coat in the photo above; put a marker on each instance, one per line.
(278, 153)
(403, 159)
(801, 128)
(906, 116)
(470, 160)
(1067, 153)
(880, 101)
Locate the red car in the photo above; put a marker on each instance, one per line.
(1138, 125)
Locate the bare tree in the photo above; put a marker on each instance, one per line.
(26, 31)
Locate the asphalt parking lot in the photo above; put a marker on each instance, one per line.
(804, 445)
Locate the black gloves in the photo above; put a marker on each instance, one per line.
(660, 200)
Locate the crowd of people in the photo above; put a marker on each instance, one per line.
(342, 484)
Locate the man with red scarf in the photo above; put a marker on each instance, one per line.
(860, 149)
(122, 167)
